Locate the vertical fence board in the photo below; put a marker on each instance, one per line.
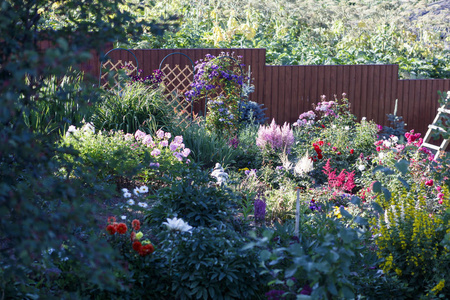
(293, 109)
(268, 92)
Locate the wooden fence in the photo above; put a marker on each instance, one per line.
(287, 91)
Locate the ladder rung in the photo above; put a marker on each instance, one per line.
(443, 110)
(437, 128)
(431, 146)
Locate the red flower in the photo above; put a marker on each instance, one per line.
(320, 143)
(111, 220)
(323, 126)
(133, 236)
(137, 246)
(136, 224)
(351, 151)
(319, 156)
(122, 228)
(111, 229)
(339, 153)
(429, 182)
(146, 249)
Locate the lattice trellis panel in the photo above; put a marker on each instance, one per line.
(177, 81)
(110, 66)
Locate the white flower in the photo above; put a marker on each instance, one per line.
(333, 126)
(136, 191)
(125, 190)
(88, 127)
(176, 224)
(361, 167)
(304, 165)
(394, 139)
(220, 175)
(130, 202)
(381, 155)
(386, 143)
(72, 129)
(363, 118)
(123, 217)
(143, 189)
(127, 195)
(347, 128)
(143, 204)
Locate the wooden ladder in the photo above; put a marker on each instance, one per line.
(444, 109)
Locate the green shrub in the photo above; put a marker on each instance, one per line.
(137, 106)
(205, 264)
(194, 200)
(207, 148)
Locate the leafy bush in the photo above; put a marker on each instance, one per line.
(252, 113)
(317, 263)
(115, 154)
(205, 263)
(410, 239)
(40, 210)
(207, 148)
(58, 104)
(137, 106)
(193, 200)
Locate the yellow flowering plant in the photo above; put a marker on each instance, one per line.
(410, 239)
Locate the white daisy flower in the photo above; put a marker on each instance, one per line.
(137, 191)
(143, 189)
(143, 204)
(361, 167)
(127, 195)
(123, 217)
(124, 190)
(130, 202)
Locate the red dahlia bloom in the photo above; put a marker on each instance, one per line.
(351, 151)
(137, 246)
(146, 249)
(122, 228)
(133, 236)
(111, 229)
(136, 224)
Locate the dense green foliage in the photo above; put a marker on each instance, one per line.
(412, 34)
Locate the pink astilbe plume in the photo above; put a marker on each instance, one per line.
(275, 137)
(345, 181)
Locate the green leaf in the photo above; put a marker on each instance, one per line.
(377, 208)
(403, 181)
(402, 166)
(355, 200)
(387, 194)
(290, 271)
(345, 213)
(347, 292)
(361, 221)
(376, 187)
(264, 255)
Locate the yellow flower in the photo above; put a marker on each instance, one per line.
(244, 169)
(438, 287)
(139, 235)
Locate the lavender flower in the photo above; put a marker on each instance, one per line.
(260, 209)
